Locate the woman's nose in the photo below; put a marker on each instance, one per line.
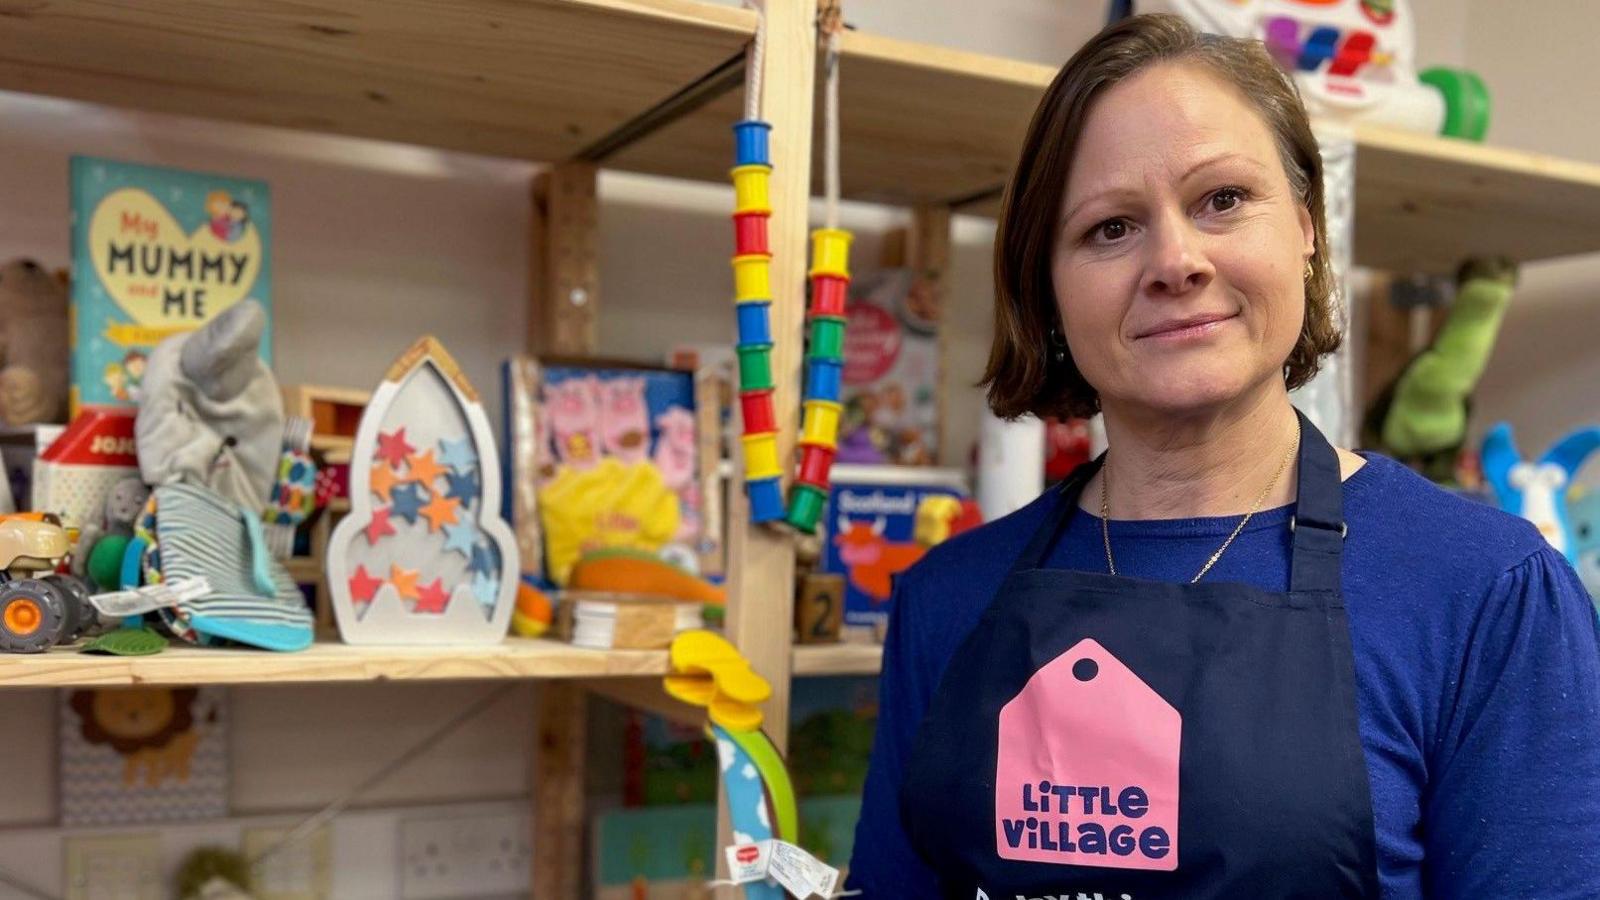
(1177, 262)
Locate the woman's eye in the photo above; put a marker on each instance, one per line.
(1109, 230)
(1227, 198)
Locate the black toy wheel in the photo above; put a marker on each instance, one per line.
(79, 615)
(33, 615)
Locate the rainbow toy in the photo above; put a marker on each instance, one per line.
(752, 294)
(819, 425)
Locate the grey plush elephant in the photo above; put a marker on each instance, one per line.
(211, 414)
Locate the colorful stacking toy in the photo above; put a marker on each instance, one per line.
(819, 426)
(752, 290)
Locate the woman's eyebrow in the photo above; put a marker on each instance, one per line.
(1076, 208)
(1223, 158)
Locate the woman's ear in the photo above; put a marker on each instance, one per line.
(1308, 230)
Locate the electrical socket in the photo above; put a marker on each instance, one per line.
(464, 856)
(114, 867)
(300, 871)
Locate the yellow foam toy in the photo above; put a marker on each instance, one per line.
(733, 715)
(695, 690)
(709, 672)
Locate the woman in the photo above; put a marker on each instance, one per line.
(1228, 661)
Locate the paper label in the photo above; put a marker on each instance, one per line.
(748, 862)
(799, 872)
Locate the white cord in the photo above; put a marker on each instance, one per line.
(752, 68)
(830, 148)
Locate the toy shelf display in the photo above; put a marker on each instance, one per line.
(577, 83)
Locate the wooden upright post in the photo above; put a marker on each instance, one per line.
(564, 261)
(564, 285)
(761, 559)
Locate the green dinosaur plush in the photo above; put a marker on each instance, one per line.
(1421, 418)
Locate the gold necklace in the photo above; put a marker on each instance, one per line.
(1105, 514)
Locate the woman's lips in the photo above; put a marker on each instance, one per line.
(1186, 328)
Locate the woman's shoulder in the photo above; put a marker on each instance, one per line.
(1410, 514)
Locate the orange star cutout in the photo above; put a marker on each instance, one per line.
(404, 581)
(431, 598)
(424, 469)
(441, 511)
(383, 481)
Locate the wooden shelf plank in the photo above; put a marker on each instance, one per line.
(534, 79)
(927, 125)
(1425, 203)
(514, 658)
(838, 659)
(332, 661)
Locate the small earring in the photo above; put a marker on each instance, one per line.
(1311, 271)
(1058, 347)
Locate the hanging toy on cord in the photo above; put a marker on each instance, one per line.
(752, 290)
(819, 428)
(830, 285)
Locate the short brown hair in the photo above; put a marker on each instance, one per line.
(1020, 376)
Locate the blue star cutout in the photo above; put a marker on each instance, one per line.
(485, 589)
(458, 455)
(463, 486)
(407, 502)
(485, 559)
(461, 538)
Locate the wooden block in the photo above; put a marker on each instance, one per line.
(335, 412)
(642, 622)
(819, 612)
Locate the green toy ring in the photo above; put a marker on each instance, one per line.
(1466, 102)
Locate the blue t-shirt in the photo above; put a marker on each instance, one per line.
(1477, 658)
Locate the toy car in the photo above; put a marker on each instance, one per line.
(37, 613)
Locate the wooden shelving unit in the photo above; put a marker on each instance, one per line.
(323, 662)
(923, 125)
(537, 79)
(651, 86)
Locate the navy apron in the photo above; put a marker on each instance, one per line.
(1110, 737)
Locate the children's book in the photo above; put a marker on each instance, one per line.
(891, 371)
(157, 252)
(612, 453)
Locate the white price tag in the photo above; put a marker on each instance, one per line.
(151, 597)
(748, 862)
(800, 873)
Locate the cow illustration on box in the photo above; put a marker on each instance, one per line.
(877, 531)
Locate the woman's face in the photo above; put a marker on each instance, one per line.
(1180, 259)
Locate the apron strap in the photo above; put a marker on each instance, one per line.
(1318, 521)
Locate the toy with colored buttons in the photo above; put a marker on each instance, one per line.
(752, 293)
(819, 424)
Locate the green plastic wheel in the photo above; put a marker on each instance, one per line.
(1466, 102)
